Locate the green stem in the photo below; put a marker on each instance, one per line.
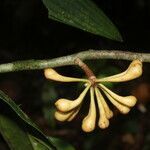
(70, 60)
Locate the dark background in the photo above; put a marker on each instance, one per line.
(27, 33)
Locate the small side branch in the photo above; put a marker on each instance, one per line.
(70, 60)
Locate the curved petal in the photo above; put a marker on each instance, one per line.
(123, 109)
(134, 71)
(74, 114)
(100, 99)
(53, 75)
(129, 101)
(65, 105)
(88, 123)
(67, 116)
(103, 121)
(60, 116)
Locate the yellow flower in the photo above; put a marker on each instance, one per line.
(68, 109)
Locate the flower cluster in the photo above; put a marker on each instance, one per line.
(68, 109)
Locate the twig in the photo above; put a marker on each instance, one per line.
(70, 60)
(89, 73)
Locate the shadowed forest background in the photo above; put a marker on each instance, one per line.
(27, 33)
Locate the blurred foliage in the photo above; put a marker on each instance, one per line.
(19, 131)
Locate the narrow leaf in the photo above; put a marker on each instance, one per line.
(61, 144)
(38, 144)
(18, 138)
(82, 14)
(4, 99)
(15, 137)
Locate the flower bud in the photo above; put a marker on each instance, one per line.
(123, 109)
(53, 75)
(65, 105)
(74, 114)
(126, 100)
(60, 116)
(134, 71)
(88, 123)
(100, 99)
(103, 122)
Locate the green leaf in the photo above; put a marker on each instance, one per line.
(16, 138)
(38, 144)
(21, 116)
(82, 14)
(61, 144)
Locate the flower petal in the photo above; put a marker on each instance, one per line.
(74, 114)
(65, 105)
(123, 109)
(88, 123)
(129, 101)
(60, 116)
(53, 75)
(103, 121)
(67, 116)
(134, 71)
(101, 99)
